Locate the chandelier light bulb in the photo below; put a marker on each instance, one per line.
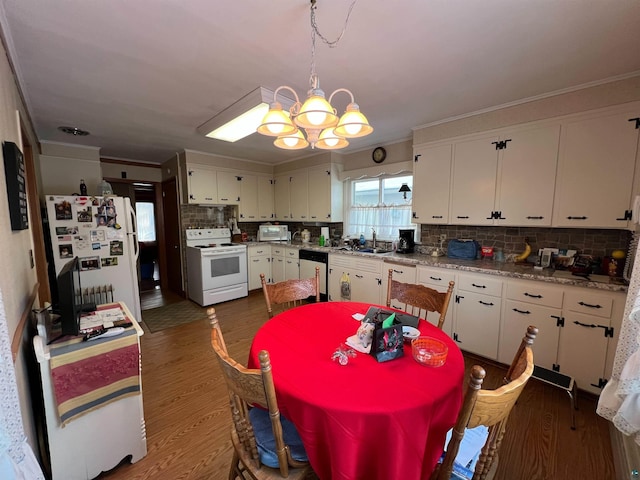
(276, 122)
(353, 124)
(316, 112)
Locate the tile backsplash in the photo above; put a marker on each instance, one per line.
(596, 242)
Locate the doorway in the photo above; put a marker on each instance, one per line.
(144, 200)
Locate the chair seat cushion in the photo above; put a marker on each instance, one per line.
(267, 442)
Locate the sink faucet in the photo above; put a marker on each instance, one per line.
(374, 237)
(294, 234)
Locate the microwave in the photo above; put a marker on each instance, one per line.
(273, 233)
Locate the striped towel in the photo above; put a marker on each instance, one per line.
(89, 375)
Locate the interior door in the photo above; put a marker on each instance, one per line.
(171, 221)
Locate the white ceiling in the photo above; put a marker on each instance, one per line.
(142, 75)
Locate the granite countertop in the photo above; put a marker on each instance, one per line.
(489, 267)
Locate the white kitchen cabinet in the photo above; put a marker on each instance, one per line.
(477, 314)
(325, 194)
(506, 179)
(365, 278)
(228, 187)
(431, 184)
(526, 177)
(259, 261)
(438, 279)
(531, 303)
(256, 198)
(202, 186)
(291, 263)
(265, 198)
(278, 272)
(401, 273)
(588, 340)
(248, 209)
(475, 163)
(596, 169)
(299, 195)
(281, 197)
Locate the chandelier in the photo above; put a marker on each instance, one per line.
(314, 122)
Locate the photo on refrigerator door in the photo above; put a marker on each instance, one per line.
(90, 263)
(66, 251)
(63, 211)
(109, 261)
(116, 248)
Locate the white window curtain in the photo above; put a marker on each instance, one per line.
(386, 219)
(620, 399)
(17, 461)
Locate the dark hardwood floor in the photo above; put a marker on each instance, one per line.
(187, 416)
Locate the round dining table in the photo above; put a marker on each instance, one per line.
(363, 420)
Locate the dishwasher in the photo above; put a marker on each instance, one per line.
(309, 260)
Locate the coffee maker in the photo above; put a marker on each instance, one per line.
(406, 242)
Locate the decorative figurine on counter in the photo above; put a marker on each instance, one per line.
(342, 354)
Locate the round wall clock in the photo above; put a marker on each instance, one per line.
(379, 154)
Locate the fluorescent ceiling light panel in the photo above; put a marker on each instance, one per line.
(242, 118)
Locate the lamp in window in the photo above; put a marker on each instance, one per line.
(404, 189)
(314, 122)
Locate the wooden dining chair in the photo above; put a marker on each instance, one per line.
(489, 409)
(290, 293)
(266, 446)
(419, 297)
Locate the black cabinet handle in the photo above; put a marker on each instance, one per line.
(478, 286)
(534, 218)
(488, 304)
(398, 271)
(531, 295)
(436, 216)
(461, 217)
(435, 278)
(524, 312)
(576, 218)
(589, 305)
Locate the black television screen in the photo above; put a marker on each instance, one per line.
(69, 297)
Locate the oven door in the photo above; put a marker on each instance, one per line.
(223, 268)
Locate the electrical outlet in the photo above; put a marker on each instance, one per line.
(443, 237)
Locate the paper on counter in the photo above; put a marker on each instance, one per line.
(358, 316)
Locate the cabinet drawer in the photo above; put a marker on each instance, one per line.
(536, 293)
(254, 251)
(401, 273)
(355, 263)
(292, 252)
(588, 303)
(480, 284)
(277, 251)
(435, 276)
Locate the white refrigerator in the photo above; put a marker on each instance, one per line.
(101, 232)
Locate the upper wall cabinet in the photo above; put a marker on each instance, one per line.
(526, 177)
(202, 186)
(596, 169)
(325, 194)
(431, 180)
(473, 189)
(256, 198)
(309, 195)
(228, 188)
(506, 179)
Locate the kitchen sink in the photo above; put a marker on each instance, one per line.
(377, 251)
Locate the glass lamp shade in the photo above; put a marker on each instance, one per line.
(353, 124)
(294, 141)
(316, 112)
(328, 140)
(276, 122)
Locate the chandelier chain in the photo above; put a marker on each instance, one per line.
(313, 80)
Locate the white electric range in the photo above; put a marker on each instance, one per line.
(216, 268)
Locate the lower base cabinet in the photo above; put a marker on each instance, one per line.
(259, 261)
(364, 278)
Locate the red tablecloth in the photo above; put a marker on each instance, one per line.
(366, 420)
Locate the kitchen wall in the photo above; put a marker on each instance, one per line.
(19, 276)
(62, 166)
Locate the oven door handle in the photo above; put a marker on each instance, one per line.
(213, 253)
